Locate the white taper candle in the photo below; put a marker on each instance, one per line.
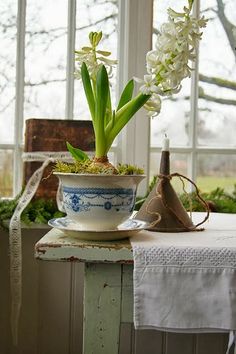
(166, 144)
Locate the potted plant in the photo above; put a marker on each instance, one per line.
(97, 194)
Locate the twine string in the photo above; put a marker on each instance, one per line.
(159, 194)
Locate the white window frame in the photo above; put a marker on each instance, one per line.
(134, 141)
(19, 103)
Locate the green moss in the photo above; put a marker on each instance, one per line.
(129, 170)
(89, 166)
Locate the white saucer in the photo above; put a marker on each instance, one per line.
(124, 230)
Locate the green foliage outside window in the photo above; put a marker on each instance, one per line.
(39, 211)
(218, 200)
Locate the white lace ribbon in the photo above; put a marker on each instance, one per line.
(15, 231)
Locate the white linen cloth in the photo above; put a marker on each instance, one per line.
(186, 282)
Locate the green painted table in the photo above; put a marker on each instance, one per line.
(108, 285)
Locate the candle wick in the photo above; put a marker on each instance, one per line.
(165, 135)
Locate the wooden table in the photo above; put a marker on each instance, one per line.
(108, 282)
(108, 285)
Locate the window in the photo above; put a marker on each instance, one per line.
(201, 129)
(37, 68)
(37, 65)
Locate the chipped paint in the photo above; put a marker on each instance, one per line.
(56, 245)
(41, 251)
(71, 259)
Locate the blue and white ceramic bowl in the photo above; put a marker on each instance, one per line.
(98, 202)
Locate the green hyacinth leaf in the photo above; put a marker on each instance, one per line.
(88, 89)
(76, 153)
(125, 114)
(102, 93)
(126, 94)
(108, 116)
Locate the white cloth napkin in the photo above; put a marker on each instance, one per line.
(187, 281)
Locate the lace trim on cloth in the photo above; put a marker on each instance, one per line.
(232, 340)
(43, 155)
(185, 257)
(15, 231)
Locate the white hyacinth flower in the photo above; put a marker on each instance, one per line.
(168, 64)
(93, 61)
(148, 85)
(153, 105)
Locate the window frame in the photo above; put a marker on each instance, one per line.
(19, 101)
(133, 15)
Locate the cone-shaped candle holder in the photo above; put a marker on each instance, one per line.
(163, 208)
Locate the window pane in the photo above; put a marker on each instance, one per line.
(95, 16)
(217, 102)
(45, 59)
(216, 170)
(8, 11)
(6, 168)
(174, 117)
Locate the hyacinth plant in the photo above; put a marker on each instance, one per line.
(167, 65)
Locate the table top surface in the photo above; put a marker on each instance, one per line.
(56, 245)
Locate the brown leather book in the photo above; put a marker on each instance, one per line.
(51, 135)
